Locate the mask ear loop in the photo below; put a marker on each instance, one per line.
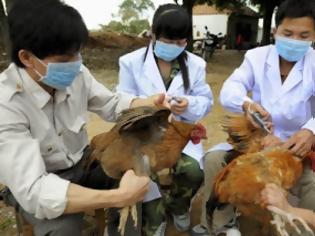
(41, 77)
(41, 62)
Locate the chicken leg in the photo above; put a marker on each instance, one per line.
(280, 218)
(124, 213)
(142, 167)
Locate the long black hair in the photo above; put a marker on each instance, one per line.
(172, 21)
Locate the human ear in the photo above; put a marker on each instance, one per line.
(26, 58)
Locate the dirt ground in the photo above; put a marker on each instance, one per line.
(103, 65)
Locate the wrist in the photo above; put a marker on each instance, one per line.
(246, 105)
(135, 102)
(246, 102)
(290, 209)
(308, 130)
(121, 198)
(117, 198)
(139, 102)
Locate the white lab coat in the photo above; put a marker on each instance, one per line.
(142, 78)
(290, 104)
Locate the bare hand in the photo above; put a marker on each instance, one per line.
(270, 141)
(275, 196)
(179, 105)
(255, 107)
(300, 143)
(158, 100)
(161, 100)
(132, 188)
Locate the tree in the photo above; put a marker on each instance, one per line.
(132, 9)
(131, 15)
(189, 4)
(137, 26)
(115, 26)
(267, 8)
(3, 20)
(4, 33)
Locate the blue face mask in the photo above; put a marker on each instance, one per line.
(167, 52)
(60, 75)
(290, 49)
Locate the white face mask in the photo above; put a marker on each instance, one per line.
(291, 49)
(60, 75)
(166, 51)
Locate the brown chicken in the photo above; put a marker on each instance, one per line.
(144, 140)
(242, 180)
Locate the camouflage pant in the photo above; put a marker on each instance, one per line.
(187, 178)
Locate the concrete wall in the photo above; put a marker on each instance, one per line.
(259, 34)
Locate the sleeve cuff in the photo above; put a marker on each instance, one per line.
(240, 102)
(247, 99)
(125, 101)
(234, 103)
(52, 197)
(188, 115)
(197, 109)
(310, 125)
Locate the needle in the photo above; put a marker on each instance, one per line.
(258, 119)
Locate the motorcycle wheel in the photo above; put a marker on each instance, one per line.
(206, 55)
(211, 52)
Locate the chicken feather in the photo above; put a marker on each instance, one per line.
(240, 182)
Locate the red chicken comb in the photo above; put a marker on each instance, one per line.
(199, 132)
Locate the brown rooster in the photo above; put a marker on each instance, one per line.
(144, 140)
(242, 180)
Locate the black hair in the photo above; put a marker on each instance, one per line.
(295, 9)
(45, 28)
(172, 21)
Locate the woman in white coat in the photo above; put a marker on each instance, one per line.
(281, 80)
(165, 67)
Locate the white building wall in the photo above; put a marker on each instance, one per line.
(215, 23)
(259, 34)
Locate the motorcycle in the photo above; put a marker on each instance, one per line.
(209, 44)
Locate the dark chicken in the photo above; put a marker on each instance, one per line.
(144, 140)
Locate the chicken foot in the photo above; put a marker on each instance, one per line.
(142, 168)
(280, 218)
(124, 213)
(134, 215)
